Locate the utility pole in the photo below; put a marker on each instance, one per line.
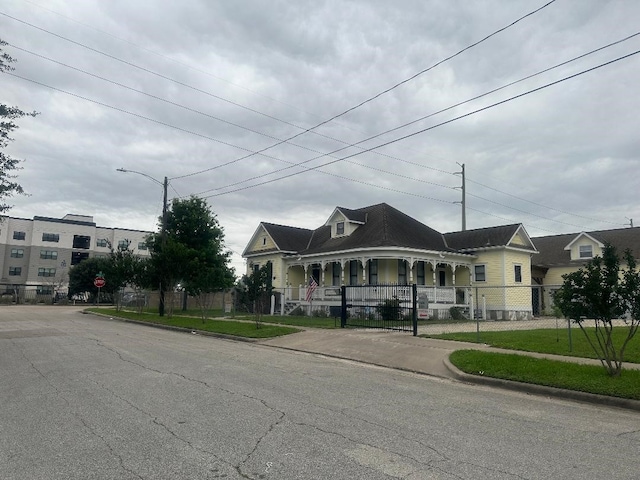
(163, 236)
(464, 197)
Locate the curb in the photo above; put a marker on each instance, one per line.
(543, 390)
(202, 333)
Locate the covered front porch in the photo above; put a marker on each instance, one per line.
(442, 283)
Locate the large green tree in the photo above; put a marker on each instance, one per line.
(606, 291)
(82, 275)
(191, 251)
(8, 164)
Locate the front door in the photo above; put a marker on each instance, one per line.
(442, 278)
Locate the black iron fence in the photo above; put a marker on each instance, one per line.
(389, 307)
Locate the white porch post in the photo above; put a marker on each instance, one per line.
(342, 266)
(411, 265)
(364, 271)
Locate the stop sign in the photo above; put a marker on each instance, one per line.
(99, 282)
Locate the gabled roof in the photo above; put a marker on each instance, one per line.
(385, 226)
(482, 238)
(288, 239)
(584, 234)
(553, 253)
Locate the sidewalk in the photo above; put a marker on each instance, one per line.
(426, 356)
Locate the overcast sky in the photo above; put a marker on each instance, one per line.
(210, 93)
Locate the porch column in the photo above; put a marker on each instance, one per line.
(412, 264)
(453, 274)
(364, 271)
(322, 267)
(342, 264)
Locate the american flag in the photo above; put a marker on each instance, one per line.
(311, 288)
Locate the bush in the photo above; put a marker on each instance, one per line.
(390, 309)
(456, 313)
(298, 312)
(319, 313)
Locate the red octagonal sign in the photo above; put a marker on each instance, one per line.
(99, 282)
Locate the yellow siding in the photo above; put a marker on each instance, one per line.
(277, 268)
(494, 270)
(261, 242)
(519, 240)
(463, 276)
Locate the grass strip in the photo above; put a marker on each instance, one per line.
(550, 340)
(552, 373)
(227, 327)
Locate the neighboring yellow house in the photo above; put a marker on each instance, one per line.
(562, 254)
(380, 245)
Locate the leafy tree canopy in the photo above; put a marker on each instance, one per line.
(8, 164)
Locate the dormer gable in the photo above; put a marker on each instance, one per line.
(584, 247)
(344, 222)
(260, 241)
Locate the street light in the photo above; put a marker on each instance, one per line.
(163, 233)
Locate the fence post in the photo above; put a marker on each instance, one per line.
(343, 303)
(414, 292)
(484, 307)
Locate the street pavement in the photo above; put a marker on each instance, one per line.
(88, 397)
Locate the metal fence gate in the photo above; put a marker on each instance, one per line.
(389, 307)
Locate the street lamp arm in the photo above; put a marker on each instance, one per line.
(140, 173)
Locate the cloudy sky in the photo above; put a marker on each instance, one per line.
(281, 110)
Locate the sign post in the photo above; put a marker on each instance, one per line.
(99, 282)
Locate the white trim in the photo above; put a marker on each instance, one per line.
(584, 234)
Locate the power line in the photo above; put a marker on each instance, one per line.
(468, 114)
(321, 123)
(416, 121)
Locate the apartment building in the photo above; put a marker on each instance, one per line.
(36, 254)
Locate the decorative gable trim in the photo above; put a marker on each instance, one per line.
(523, 234)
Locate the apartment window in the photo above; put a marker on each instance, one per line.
(102, 242)
(479, 272)
(17, 253)
(44, 290)
(402, 272)
(353, 272)
(373, 272)
(336, 274)
(19, 235)
(46, 272)
(340, 228)
(81, 241)
(586, 251)
(50, 237)
(142, 246)
(420, 273)
(15, 271)
(123, 244)
(517, 273)
(77, 257)
(48, 254)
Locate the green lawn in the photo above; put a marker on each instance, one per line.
(228, 327)
(547, 341)
(521, 368)
(301, 321)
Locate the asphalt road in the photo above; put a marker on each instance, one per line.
(89, 398)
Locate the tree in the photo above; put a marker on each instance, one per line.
(192, 253)
(119, 270)
(603, 291)
(256, 290)
(82, 275)
(8, 186)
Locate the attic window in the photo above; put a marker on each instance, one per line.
(586, 251)
(264, 241)
(340, 228)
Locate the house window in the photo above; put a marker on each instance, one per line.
(19, 235)
(373, 272)
(353, 272)
(256, 268)
(420, 273)
(517, 273)
(50, 237)
(46, 272)
(48, 254)
(142, 246)
(15, 271)
(442, 278)
(479, 273)
(336, 274)
(402, 272)
(586, 251)
(340, 228)
(81, 241)
(17, 253)
(102, 242)
(44, 290)
(77, 257)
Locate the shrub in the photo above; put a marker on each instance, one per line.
(390, 309)
(456, 313)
